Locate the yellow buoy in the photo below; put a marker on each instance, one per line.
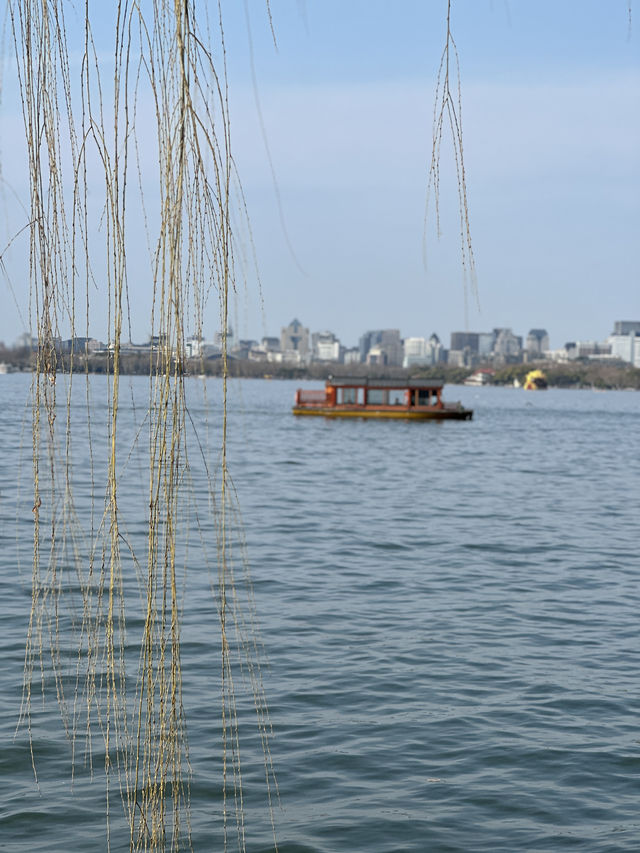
(535, 381)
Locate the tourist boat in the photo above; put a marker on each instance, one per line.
(482, 376)
(412, 399)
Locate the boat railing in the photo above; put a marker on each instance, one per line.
(311, 396)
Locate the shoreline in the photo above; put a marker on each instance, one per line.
(597, 375)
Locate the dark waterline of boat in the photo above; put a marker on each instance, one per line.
(449, 611)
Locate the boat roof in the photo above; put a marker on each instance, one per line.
(368, 382)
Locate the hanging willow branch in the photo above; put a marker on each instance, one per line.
(447, 112)
(88, 579)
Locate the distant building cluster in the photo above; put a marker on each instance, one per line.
(501, 346)
(385, 347)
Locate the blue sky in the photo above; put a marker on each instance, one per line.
(551, 116)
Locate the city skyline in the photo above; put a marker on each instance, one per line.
(210, 332)
(551, 113)
(390, 344)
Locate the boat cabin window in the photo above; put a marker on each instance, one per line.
(424, 397)
(351, 396)
(377, 397)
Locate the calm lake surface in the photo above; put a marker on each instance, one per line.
(449, 612)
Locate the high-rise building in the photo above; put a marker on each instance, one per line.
(625, 341)
(326, 347)
(294, 342)
(506, 344)
(537, 342)
(420, 352)
(387, 344)
(415, 352)
(485, 343)
(473, 343)
(465, 341)
(626, 327)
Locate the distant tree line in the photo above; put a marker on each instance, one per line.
(583, 373)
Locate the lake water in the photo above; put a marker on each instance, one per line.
(449, 612)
